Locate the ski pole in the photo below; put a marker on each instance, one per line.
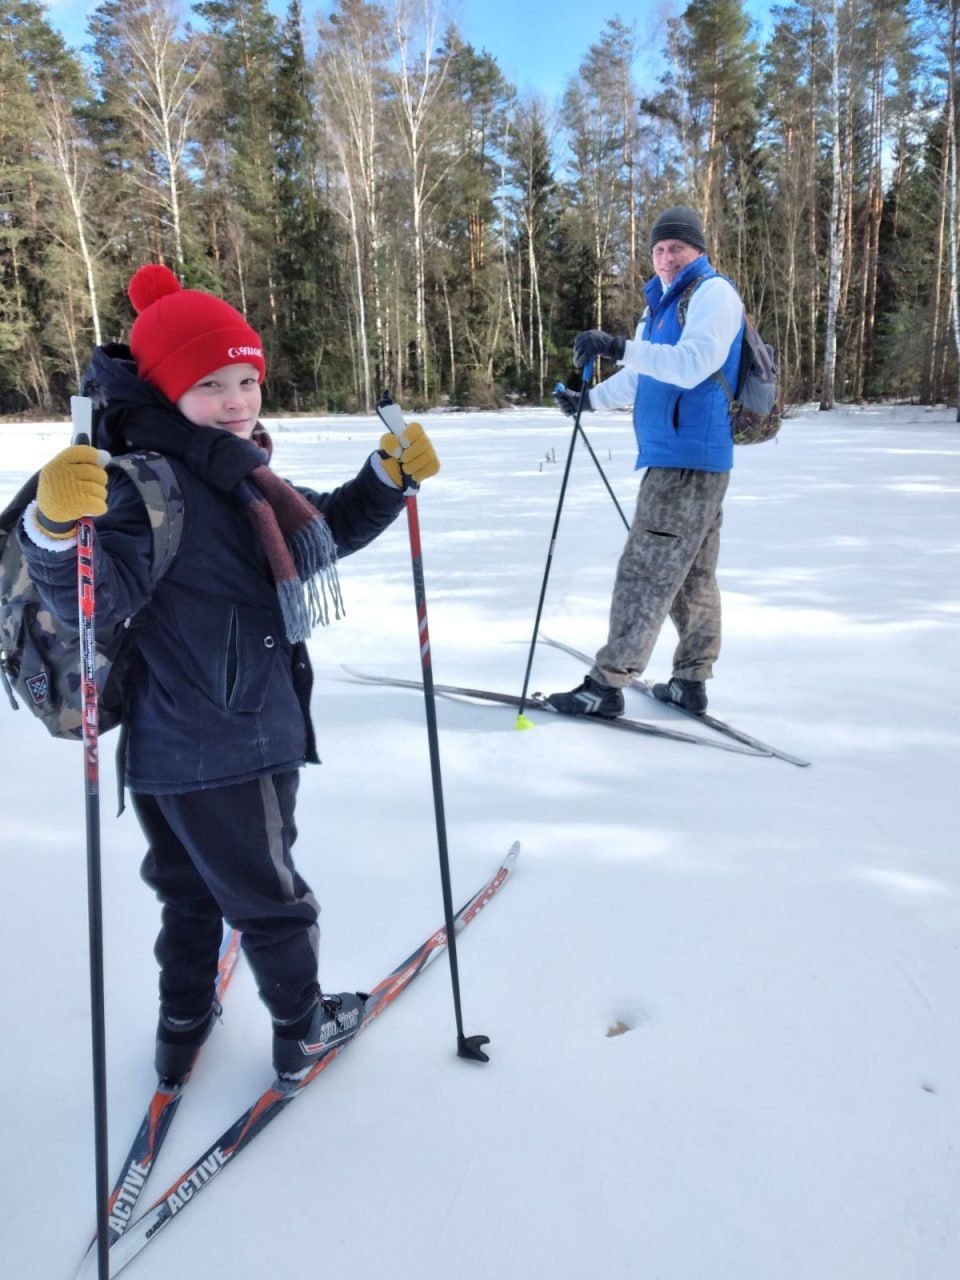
(522, 721)
(596, 461)
(467, 1046)
(81, 412)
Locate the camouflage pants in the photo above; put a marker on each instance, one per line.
(668, 566)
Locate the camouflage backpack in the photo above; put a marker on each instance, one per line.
(754, 401)
(39, 656)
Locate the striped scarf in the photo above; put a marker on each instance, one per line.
(294, 535)
(299, 548)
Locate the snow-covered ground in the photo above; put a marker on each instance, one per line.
(782, 943)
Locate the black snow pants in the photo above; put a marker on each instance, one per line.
(224, 854)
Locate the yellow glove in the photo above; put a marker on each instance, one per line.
(73, 484)
(415, 460)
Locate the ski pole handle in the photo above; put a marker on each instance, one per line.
(584, 378)
(81, 414)
(391, 415)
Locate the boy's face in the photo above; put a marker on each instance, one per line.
(228, 398)
(670, 257)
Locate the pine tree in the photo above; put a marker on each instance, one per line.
(535, 214)
(472, 216)
(309, 333)
(243, 52)
(32, 54)
(717, 75)
(593, 116)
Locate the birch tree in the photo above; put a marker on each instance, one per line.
(951, 53)
(71, 159)
(418, 89)
(793, 92)
(837, 219)
(165, 71)
(351, 78)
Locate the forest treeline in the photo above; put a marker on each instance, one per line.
(388, 210)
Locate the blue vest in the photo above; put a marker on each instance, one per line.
(677, 427)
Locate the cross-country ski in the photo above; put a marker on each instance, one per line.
(183, 1191)
(704, 717)
(131, 1181)
(537, 701)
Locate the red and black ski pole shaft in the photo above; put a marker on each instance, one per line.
(81, 412)
(467, 1046)
(522, 721)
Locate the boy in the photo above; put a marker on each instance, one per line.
(216, 719)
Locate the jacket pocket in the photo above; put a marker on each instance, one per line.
(656, 411)
(250, 657)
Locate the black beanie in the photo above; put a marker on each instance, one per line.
(679, 223)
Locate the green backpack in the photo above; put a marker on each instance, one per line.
(39, 656)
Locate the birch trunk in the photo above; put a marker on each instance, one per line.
(417, 99)
(952, 144)
(837, 219)
(164, 102)
(935, 326)
(64, 151)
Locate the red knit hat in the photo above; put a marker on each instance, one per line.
(181, 334)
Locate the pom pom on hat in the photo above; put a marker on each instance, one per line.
(151, 283)
(180, 335)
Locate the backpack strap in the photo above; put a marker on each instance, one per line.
(156, 482)
(685, 297)
(682, 306)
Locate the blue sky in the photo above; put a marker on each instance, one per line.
(538, 43)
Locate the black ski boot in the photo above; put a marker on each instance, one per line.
(178, 1043)
(331, 1021)
(689, 694)
(591, 698)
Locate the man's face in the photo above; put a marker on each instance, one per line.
(670, 257)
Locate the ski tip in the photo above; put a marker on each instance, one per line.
(523, 722)
(510, 858)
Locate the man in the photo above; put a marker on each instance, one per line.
(691, 330)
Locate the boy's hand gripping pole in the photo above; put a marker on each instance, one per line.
(522, 721)
(81, 413)
(467, 1046)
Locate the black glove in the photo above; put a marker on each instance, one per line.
(594, 342)
(569, 401)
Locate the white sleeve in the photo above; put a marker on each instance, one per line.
(712, 323)
(616, 392)
(620, 389)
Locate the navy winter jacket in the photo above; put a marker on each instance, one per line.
(216, 694)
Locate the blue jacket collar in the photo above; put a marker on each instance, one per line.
(653, 289)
